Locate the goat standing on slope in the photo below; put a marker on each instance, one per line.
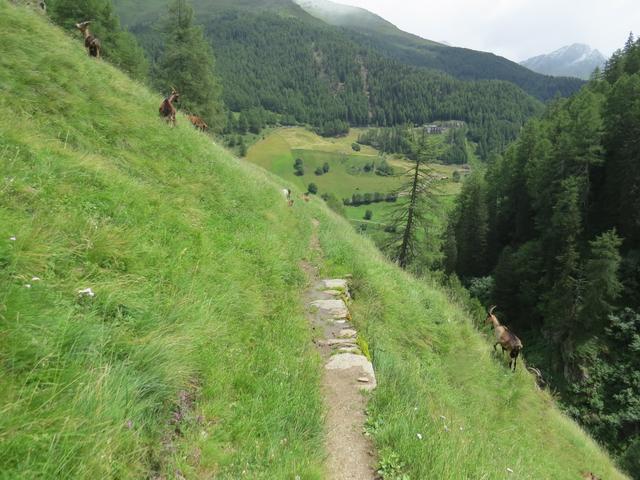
(198, 122)
(507, 340)
(90, 42)
(167, 110)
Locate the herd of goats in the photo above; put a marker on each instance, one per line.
(167, 109)
(504, 337)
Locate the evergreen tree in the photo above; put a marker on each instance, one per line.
(242, 148)
(409, 219)
(602, 285)
(187, 63)
(471, 228)
(562, 238)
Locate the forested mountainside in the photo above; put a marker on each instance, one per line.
(366, 28)
(308, 72)
(556, 225)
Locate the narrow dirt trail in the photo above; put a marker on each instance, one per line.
(346, 374)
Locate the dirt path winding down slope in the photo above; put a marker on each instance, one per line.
(347, 375)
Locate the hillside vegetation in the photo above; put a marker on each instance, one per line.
(193, 359)
(555, 228)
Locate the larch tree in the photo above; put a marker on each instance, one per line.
(409, 217)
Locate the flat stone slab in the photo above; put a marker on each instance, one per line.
(334, 308)
(346, 361)
(335, 284)
(334, 293)
(348, 333)
(354, 350)
(340, 341)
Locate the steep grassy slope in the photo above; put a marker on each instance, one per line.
(193, 258)
(193, 358)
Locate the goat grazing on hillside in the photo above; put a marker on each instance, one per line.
(90, 42)
(167, 110)
(198, 123)
(507, 340)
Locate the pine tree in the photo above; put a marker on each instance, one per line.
(242, 148)
(409, 219)
(562, 238)
(602, 285)
(187, 63)
(471, 227)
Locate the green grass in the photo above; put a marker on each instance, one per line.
(195, 261)
(193, 257)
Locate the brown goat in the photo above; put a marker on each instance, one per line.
(507, 340)
(90, 42)
(198, 123)
(167, 110)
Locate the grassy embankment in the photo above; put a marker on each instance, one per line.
(194, 354)
(193, 257)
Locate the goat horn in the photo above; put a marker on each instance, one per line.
(491, 309)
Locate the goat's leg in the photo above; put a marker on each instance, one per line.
(494, 347)
(514, 356)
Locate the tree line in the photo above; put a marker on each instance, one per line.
(403, 140)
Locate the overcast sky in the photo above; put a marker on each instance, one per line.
(516, 29)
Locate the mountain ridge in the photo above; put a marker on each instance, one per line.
(576, 60)
(463, 63)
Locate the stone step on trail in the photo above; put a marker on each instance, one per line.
(332, 309)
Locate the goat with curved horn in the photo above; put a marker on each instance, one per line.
(91, 43)
(167, 110)
(507, 340)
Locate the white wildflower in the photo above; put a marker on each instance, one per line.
(509, 470)
(443, 417)
(419, 435)
(35, 279)
(87, 292)
(13, 238)
(27, 286)
(446, 429)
